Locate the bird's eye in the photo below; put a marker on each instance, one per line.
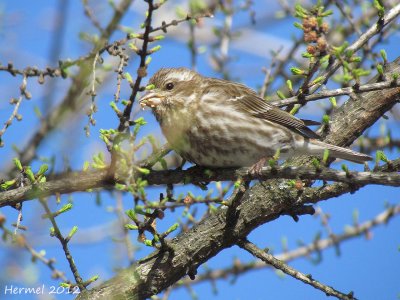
(169, 86)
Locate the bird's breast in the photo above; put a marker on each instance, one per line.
(220, 136)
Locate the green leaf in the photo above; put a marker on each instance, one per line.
(318, 80)
(289, 85)
(134, 35)
(298, 25)
(43, 169)
(380, 8)
(148, 60)
(280, 94)
(86, 166)
(131, 214)
(325, 156)
(140, 121)
(155, 49)
(72, 232)
(150, 87)
(65, 208)
(6, 185)
(131, 227)
(379, 68)
(159, 37)
(172, 228)
(133, 47)
(92, 279)
(333, 101)
(296, 71)
(128, 77)
(295, 109)
(380, 156)
(300, 12)
(29, 174)
(326, 13)
(383, 55)
(307, 55)
(316, 163)
(114, 107)
(148, 243)
(143, 170)
(339, 50)
(17, 163)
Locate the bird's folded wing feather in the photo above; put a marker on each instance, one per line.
(252, 104)
(246, 100)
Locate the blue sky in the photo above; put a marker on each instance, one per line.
(365, 266)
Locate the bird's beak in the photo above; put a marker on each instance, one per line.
(150, 99)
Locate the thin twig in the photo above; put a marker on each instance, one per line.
(339, 92)
(64, 244)
(280, 265)
(359, 43)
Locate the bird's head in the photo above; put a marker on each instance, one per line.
(170, 88)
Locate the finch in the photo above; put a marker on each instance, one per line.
(217, 123)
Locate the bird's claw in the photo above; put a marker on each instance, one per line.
(256, 169)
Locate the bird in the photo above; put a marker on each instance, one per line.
(217, 123)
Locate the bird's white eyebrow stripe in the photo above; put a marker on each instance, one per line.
(180, 76)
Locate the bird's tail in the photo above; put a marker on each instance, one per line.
(317, 148)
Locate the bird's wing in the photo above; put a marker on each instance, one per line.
(247, 101)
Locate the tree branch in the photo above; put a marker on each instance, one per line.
(377, 86)
(82, 181)
(280, 265)
(304, 251)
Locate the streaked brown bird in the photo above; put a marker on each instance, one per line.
(218, 123)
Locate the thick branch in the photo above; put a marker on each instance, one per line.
(83, 181)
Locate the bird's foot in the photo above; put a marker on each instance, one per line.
(199, 170)
(256, 169)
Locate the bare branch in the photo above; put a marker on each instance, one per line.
(82, 181)
(377, 86)
(304, 251)
(280, 265)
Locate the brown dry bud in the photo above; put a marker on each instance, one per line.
(322, 44)
(369, 235)
(154, 225)
(310, 22)
(298, 185)
(310, 37)
(142, 72)
(160, 214)
(41, 78)
(313, 21)
(141, 237)
(188, 200)
(311, 49)
(325, 27)
(55, 275)
(2, 220)
(20, 240)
